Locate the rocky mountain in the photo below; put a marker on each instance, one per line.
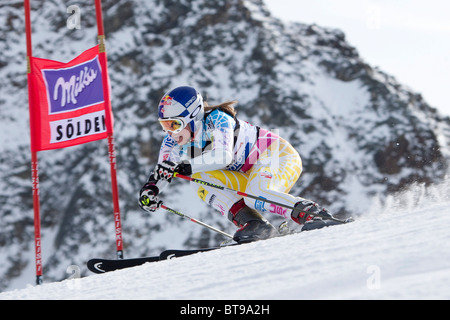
(361, 134)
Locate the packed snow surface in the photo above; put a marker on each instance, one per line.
(397, 251)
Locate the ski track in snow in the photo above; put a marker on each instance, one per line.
(386, 254)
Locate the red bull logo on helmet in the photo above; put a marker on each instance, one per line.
(166, 101)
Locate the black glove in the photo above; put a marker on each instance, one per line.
(148, 199)
(166, 169)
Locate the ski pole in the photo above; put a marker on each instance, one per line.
(243, 194)
(196, 221)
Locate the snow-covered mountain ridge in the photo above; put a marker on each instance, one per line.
(361, 134)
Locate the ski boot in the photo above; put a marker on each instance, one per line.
(252, 225)
(311, 216)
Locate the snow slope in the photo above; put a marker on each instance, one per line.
(397, 251)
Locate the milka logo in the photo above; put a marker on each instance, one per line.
(74, 87)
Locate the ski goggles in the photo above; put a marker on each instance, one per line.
(173, 125)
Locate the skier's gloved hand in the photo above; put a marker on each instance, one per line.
(166, 169)
(148, 199)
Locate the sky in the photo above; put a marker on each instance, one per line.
(408, 39)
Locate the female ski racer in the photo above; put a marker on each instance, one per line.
(211, 144)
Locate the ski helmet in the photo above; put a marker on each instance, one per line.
(179, 108)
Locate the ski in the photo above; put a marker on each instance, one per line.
(99, 265)
(176, 253)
